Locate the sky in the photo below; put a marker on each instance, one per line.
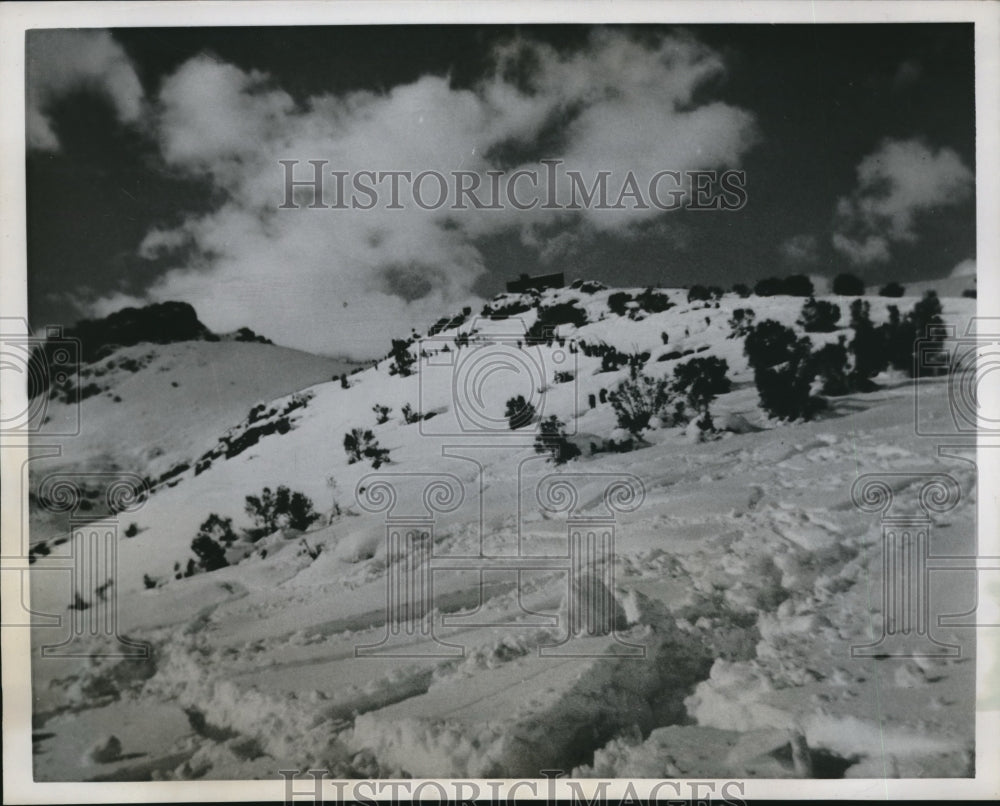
(153, 164)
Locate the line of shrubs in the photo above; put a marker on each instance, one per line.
(785, 365)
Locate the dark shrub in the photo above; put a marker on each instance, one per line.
(553, 440)
(741, 323)
(563, 313)
(768, 343)
(819, 316)
(900, 334)
(783, 371)
(795, 285)
(149, 582)
(246, 334)
(279, 510)
(449, 323)
(653, 301)
(969, 293)
(211, 556)
(613, 360)
(927, 326)
(769, 287)
(218, 529)
(402, 358)
(381, 413)
(897, 337)
(867, 347)
(798, 285)
(409, 415)
(519, 412)
(848, 285)
(701, 380)
(892, 289)
(79, 603)
(698, 293)
(618, 301)
(501, 307)
(550, 317)
(638, 399)
(361, 444)
(742, 290)
(132, 531)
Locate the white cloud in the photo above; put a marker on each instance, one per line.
(59, 61)
(966, 268)
(896, 184)
(348, 280)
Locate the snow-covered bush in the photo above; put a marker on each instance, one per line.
(361, 444)
(519, 412)
(219, 529)
(639, 399)
(830, 362)
(741, 323)
(381, 413)
(613, 360)
(819, 316)
(553, 440)
(211, 555)
(281, 509)
(700, 293)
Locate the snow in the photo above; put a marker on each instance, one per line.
(744, 573)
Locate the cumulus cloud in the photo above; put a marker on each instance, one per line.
(896, 184)
(60, 61)
(345, 280)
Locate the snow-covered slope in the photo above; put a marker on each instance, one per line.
(744, 574)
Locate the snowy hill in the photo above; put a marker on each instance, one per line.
(149, 409)
(744, 572)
